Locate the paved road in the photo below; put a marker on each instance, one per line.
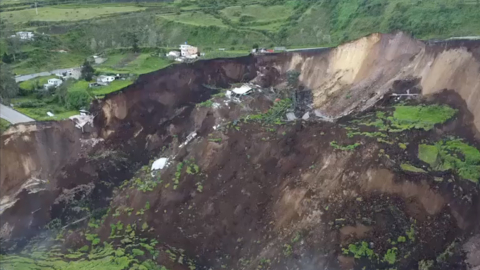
(305, 49)
(13, 116)
(75, 74)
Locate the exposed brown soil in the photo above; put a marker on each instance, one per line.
(271, 196)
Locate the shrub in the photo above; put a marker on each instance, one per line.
(30, 104)
(78, 99)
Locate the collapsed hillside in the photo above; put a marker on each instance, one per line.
(392, 183)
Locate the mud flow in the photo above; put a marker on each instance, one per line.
(363, 156)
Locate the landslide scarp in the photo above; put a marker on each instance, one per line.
(392, 183)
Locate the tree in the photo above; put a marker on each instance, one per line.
(87, 71)
(255, 46)
(135, 47)
(132, 39)
(13, 46)
(62, 91)
(8, 86)
(6, 58)
(292, 78)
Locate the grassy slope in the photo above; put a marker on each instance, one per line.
(4, 124)
(258, 12)
(342, 20)
(48, 61)
(64, 13)
(194, 18)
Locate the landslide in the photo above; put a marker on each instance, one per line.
(392, 183)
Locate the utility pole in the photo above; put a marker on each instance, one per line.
(36, 9)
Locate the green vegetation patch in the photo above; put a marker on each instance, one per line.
(350, 147)
(104, 257)
(420, 117)
(207, 104)
(132, 63)
(194, 18)
(391, 256)
(257, 13)
(35, 83)
(428, 153)
(64, 13)
(405, 118)
(275, 114)
(411, 168)
(112, 87)
(454, 154)
(4, 124)
(359, 250)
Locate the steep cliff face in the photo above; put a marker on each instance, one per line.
(147, 104)
(353, 76)
(32, 158)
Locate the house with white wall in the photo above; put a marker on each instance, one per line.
(188, 51)
(24, 35)
(52, 83)
(105, 79)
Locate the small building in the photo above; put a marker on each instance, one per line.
(173, 54)
(24, 35)
(105, 79)
(52, 83)
(188, 51)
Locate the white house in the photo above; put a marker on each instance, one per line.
(105, 79)
(24, 35)
(188, 51)
(52, 83)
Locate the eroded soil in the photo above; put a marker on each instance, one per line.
(253, 195)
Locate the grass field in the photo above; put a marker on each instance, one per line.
(64, 13)
(112, 87)
(258, 13)
(45, 61)
(134, 64)
(194, 18)
(49, 105)
(116, 85)
(31, 84)
(225, 54)
(273, 27)
(40, 114)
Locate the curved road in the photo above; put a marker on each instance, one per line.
(75, 71)
(13, 116)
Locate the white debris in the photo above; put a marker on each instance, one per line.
(327, 118)
(291, 116)
(159, 164)
(81, 120)
(306, 116)
(190, 137)
(228, 94)
(90, 142)
(50, 114)
(242, 90)
(215, 105)
(215, 127)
